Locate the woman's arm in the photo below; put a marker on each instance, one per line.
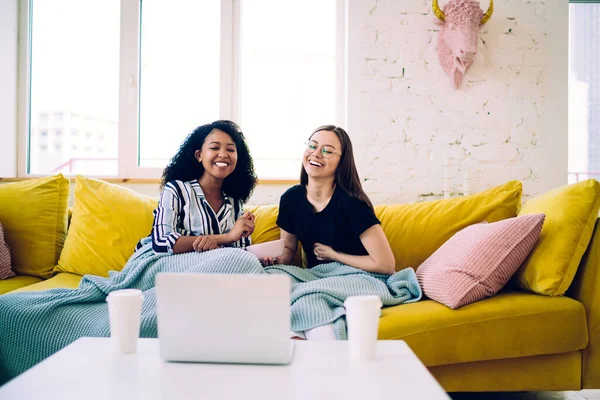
(244, 240)
(290, 243)
(286, 223)
(164, 233)
(243, 227)
(187, 244)
(380, 259)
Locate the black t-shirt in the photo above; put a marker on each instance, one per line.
(339, 225)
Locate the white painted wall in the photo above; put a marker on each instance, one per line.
(508, 121)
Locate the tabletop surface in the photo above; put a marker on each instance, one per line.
(90, 369)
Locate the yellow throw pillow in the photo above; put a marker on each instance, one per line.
(108, 220)
(416, 231)
(265, 224)
(571, 213)
(34, 215)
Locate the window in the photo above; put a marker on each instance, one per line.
(584, 90)
(85, 81)
(180, 74)
(288, 86)
(146, 73)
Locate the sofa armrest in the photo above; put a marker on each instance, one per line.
(586, 289)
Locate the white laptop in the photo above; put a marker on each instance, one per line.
(224, 318)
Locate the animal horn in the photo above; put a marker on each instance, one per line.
(488, 13)
(438, 11)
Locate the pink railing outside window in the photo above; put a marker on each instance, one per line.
(92, 166)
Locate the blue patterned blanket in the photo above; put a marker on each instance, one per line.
(34, 325)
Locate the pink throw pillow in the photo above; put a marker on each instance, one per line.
(5, 270)
(479, 260)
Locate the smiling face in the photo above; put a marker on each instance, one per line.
(218, 154)
(322, 157)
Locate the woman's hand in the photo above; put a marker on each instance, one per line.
(249, 216)
(243, 228)
(268, 261)
(204, 243)
(324, 253)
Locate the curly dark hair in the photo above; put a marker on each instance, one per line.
(184, 166)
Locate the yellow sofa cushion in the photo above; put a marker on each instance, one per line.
(508, 325)
(107, 222)
(415, 231)
(16, 282)
(571, 213)
(34, 216)
(60, 280)
(265, 224)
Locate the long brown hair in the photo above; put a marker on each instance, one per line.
(346, 175)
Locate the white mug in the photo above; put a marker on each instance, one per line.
(124, 311)
(362, 319)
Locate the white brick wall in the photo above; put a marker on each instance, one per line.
(507, 121)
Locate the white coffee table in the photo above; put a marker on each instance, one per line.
(89, 369)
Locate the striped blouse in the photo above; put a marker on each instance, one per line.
(184, 211)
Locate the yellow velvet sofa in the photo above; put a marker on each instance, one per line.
(517, 340)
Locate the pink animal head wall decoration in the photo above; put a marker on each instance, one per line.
(460, 21)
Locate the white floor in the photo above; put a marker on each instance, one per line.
(583, 395)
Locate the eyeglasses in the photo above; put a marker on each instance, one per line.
(326, 151)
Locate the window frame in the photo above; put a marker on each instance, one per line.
(577, 174)
(129, 77)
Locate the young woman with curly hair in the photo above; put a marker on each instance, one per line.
(204, 188)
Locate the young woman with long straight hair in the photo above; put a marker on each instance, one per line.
(330, 214)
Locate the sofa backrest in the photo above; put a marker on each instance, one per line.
(416, 230)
